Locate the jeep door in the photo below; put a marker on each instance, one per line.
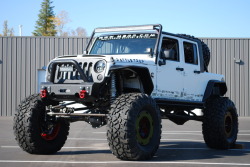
(194, 81)
(170, 74)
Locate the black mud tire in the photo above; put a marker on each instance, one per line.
(31, 130)
(134, 127)
(220, 125)
(205, 50)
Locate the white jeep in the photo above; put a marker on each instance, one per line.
(129, 78)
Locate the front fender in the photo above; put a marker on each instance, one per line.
(142, 72)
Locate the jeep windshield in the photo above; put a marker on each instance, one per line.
(124, 44)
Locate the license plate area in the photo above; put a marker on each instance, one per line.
(66, 69)
(64, 90)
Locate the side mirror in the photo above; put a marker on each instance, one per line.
(168, 54)
(85, 52)
(149, 51)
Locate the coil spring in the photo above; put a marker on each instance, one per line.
(113, 88)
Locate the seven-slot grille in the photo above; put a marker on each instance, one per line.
(67, 73)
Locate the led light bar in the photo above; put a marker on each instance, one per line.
(126, 28)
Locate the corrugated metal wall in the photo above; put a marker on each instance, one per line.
(230, 57)
(20, 57)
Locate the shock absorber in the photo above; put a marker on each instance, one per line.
(113, 90)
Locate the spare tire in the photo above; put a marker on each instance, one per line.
(205, 50)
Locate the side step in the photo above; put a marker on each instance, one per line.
(180, 103)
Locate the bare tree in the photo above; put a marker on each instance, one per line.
(6, 30)
(61, 20)
(11, 32)
(78, 32)
(81, 32)
(64, 34)
(73, 33)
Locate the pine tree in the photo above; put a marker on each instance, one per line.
(45, 25)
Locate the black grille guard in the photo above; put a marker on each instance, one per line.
(68, 61)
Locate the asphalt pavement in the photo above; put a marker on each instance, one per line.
(181, 146)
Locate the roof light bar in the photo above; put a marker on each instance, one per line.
(157, 27)
(125, 28)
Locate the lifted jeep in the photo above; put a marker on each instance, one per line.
(129, 78)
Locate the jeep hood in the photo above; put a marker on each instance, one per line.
(135, 59)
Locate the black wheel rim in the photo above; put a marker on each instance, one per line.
(144, 128)
(228, 124)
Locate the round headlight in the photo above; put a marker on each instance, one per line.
(50, 67)
(100, 66)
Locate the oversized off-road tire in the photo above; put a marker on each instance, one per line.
(220, 125)
(205, 50)
(134, 127)
(35, 132)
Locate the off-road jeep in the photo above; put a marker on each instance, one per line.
(129, 78)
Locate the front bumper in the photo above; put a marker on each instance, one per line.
(68, 92)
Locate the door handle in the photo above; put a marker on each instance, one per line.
(197, 72)
(179, 69)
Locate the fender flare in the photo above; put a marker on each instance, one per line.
(215, 87)
(143, 73)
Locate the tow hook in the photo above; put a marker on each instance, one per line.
(43, 93)
(82, 94)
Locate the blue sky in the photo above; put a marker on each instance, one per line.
(201, 18)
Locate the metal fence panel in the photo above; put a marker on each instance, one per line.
(21, 57)
(230, 57)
